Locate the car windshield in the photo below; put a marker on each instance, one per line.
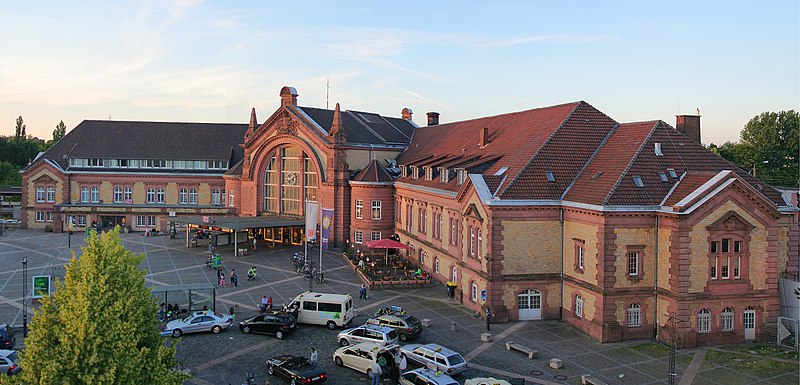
(413, 321)
(392, 335)
(455, 359)
(13, 357)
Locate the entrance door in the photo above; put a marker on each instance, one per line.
(529, 303)
(749, 321)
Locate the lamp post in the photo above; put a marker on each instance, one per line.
(24, 298)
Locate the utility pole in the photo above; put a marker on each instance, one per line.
(673, 346)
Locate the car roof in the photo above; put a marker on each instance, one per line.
(6, 353)
(441, 348)
(371, 345)
(384, 329)
(308, 296)
(431, 375)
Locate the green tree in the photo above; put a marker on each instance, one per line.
(20, 129)
(59, 132)
(99, 326)
(9, 175)
(775, 140)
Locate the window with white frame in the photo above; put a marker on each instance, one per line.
(579, 306)
(704, 321)
(215, 199)
(472, 241)
(48, 217)
(634, 315)
(222, 197)
(455, 274)
(359, 209)
(633, 264)
(376, 209)
(81, 221)
(409, 217)
(117, 194)
(85, 194)
(51, 194)
(127, 195)
(473, 293)
(145, 220)
(160, 195)
(40, 194)
(375, 236)
(192, 196)
(40, 216)
(436, 264)
(423, 216)
(183, 196)
(480, 239)
(726, 320)
(398, 209)
(358, 236)
(150, 197)
(95, 194)
(231, 196)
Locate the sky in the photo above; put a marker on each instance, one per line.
(206, 61)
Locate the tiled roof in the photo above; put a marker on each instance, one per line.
(686, 185)
(365, 127)
(374, 172)
(113, 139)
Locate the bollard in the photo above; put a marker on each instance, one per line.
(453, 326)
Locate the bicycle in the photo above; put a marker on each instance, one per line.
(302, 269)
(250, 378)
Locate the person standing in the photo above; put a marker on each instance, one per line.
(234, 278)
(255, 243)
(362, 294)
(221, 279)
(394, 375)
(232, 313)
(219, 275)
(403, 364)
(488, 317)
(314, 357)
(376, 373)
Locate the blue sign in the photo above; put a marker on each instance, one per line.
(483, 295)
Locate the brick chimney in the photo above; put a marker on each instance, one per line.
(689, 125)
(433, 118)
(406, 113)
(484, 137)
(288, 96)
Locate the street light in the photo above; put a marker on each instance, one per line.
(24, 300)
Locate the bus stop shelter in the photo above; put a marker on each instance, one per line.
(226, 225)
(186, 294)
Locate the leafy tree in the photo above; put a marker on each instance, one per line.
(99, 326)
(59, 132)
(20, 129)
(9, 175)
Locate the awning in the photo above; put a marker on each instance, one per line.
(238, 223)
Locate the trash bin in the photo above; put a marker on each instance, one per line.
(451, 289)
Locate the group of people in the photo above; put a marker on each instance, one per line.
(266, 304)
(169, 312)
(382, 369)
(252, 273)
(221, 278)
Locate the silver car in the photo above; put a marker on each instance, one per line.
(9, 362)
(382, 336)
(200, 321)
(435, 356)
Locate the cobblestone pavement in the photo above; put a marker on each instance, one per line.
(226, 357)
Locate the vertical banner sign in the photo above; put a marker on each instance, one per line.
(41, 286)
(327, 222)
(312, 212)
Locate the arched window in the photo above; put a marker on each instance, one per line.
(84, 194)
(127, 195)
(192, 196)
(578, 306)
(95, 195)
(183, 196)
(726, 320)
(290, 176)
(215, 198)
(436, 264)
(117, 194)
(455, 274)
(473, 293)
(704, 321)
(634, 315)
(151, 195)
(160, 195)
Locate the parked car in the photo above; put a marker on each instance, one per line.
(9, 362)
(199, 321)
(368, 333)
(277, 323)
(298, 370)
(486, 380)
(435, 356)
(407, 326)
(425, 376)
(361, 356)
(7, 339)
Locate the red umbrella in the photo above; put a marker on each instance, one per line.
(385, 244)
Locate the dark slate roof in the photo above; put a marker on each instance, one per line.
(374, 172)
(365, 127)
(111, 139)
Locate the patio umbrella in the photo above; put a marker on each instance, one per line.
(385, 244)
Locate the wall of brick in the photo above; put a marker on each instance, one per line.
(664, 254)
(531, 247)
(626, 237)
(587, 233)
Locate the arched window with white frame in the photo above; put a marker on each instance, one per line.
(634, 315)
(704, 321)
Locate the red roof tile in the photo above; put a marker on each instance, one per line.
(687, 185)
(374, 172)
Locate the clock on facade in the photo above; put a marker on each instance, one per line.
(290, 178)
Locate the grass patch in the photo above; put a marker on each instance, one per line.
(722, 358)
(758, 367)
(652, 349)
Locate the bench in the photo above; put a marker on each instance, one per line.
(510, 345)
(426, 323)
(587, 379)
(243, 251)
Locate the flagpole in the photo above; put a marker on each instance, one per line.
(305, 253)
(320, 241)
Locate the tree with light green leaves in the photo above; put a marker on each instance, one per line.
(100, 324)
(59, 131)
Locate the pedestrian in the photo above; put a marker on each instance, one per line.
(222, 280)
(314, 357)
(394, 375)
(219, 274)
(403, 363)
(234, 278)
(162, 311)
(255, 243)
(232, 312)
(269, 303)
(488, 317)
(376, 373)
(363, 292)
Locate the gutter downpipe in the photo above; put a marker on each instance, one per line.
(655, 278)
(561, 274)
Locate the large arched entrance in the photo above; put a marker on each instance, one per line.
(529, 303)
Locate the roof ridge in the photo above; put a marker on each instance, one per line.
(538, 150)
(630, 163)
(588, 161)
(576, 103)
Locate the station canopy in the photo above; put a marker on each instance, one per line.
(238, 223)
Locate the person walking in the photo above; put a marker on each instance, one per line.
(232, 312)
(234, 278)
(219, 275)
(255, 243)
(403, 364)
(488, 317)
(221, 279)
(362, 294)
(394, 375)
(376, 373)
(314, 357)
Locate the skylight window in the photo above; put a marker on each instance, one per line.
(672, 173)
(595, 176)
(501, 171)
(638, 180)
(663, 177)
(550, 176)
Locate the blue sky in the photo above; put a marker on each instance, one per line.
(190, 60)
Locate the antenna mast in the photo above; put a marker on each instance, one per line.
(327, 91)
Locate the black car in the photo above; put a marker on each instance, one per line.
(7, 339)
(277, 323)
(298, 370)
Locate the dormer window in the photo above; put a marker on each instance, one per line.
(461, 174)
(550, 176)
(403, 171)
(444, 175)
(414, 174)
(638, 181)
(428, 172)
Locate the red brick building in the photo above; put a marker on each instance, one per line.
(551, 213)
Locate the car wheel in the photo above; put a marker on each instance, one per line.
(270, 370)
(403, 337)
(369, 374)
(344, 342)
(279, 335)
(246, 329)
(216, 329)
(338, 361)
(177, 333)
(331, 325)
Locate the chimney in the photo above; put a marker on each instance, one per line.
(406, 113)
(288, 96)
(433, 118)
(689, 125)
(484, 137)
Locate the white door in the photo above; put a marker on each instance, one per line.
(749, 321)
(529, 303)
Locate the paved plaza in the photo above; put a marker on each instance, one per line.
(226, 357)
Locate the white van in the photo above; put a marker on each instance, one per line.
(331, 310)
